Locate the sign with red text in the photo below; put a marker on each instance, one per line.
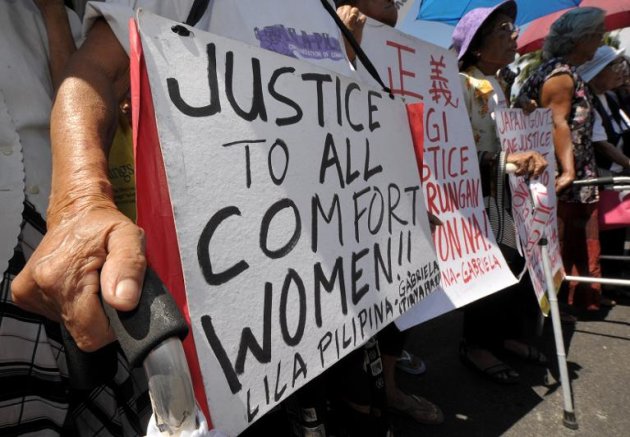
(298, 210)
(533, 200)
(470, 261)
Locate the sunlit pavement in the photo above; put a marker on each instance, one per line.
(598, 353)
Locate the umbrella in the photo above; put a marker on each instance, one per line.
(450, 12)
(617, 17)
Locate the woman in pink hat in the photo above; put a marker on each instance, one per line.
(485, 41)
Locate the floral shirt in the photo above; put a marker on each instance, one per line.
(580, 122)
(482, 94)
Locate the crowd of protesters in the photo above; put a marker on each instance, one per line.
(60, 110)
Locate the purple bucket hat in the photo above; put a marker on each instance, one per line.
(469, 24)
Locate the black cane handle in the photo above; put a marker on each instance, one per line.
(155, 319)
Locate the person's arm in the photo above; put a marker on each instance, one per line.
(355, 22)
(60, 41)
(525, 103)
(612, 153)
(528, 163)
(556, 94)
(90, 247)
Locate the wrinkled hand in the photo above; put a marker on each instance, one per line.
(95, 251)
(355, 22)
(528, 163)
(564, 181)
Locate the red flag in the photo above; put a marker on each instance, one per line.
(415, 114)
(155, 212)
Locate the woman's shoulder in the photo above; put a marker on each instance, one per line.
(473, 79)
(556, 67)
(545, 71)
(468, 75)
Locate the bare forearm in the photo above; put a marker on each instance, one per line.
(612, 153)
(557, 94)
(83, 122)
(564, 148)
(90, 250)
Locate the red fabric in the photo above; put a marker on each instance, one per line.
(155, 213)
(415, 114)
(614, 210)
(579, 245)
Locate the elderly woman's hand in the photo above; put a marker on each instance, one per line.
(527, 163)
(526, 104)
(90, 251)
(564, 181)
(354, 21)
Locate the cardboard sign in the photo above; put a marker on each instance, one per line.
(298, 210)
(470, 261)
(533, 200)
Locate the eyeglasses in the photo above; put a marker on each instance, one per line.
(507, 28)
(618, 66)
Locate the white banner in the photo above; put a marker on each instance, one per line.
(299, 215)
(533, 200)
(470, 261)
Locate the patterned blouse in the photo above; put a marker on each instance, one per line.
(482, 94)
(580, 122)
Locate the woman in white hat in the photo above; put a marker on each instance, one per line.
(604, 73)
(611, 135)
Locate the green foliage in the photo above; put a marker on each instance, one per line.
(528, 63)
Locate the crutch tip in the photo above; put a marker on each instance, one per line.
(569, 420)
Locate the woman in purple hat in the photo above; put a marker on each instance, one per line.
(485, 41)
(556, 84)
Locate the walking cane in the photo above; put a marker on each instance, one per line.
(149, 335)
(568, 419)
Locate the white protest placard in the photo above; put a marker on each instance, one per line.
(298, 210)
(533, 200)
(471, 263)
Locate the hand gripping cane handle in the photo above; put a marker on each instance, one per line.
(155, 319)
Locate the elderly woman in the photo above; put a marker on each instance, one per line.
(556, 84)
(611, 131)
(611, 135)
(485, 41)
